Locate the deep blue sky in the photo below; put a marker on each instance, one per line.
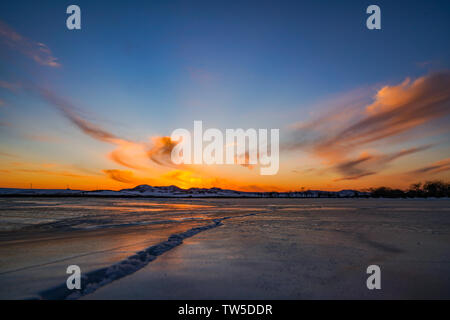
(248, 55)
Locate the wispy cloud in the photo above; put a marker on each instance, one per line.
(7, 154)
(123, 176)
(70, 112)
(370, 164)
(128, 153)
(42, 137)
(37, 51)
(436, 167)
(12, 86)
(51, 172)
(395, 110)
(352, 168)
(161, 151)
(5, 124)
(355, 177)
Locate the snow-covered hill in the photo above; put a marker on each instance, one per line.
(176, 192)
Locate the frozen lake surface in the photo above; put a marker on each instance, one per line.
(224, 248)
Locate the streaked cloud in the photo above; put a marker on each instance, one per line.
(37, 51)
(370, 164)
(52, 172)
(7, 154)
(131, 154)
(396, 109)
(12, 86)
(42, 137)
(123, 176)
(436, 167)
(339, 135)
(161, 151)
(5, 124)
(70, 112)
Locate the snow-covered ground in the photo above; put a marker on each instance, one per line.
(301, 252)
(224, 248)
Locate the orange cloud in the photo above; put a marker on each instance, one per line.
(128, 153)
(122, 176)
(7, 154)
(58, 173)
(161, 151)
(191, 179)
(186, 179)
(131, 155)
(396, 109)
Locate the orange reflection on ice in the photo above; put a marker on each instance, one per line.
(170, 205)
(108, 208)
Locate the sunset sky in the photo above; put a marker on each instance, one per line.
(92, 108)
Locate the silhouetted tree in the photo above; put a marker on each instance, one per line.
(386, 192)
(436, 189)
(415, 190)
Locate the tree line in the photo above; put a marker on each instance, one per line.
(435, 188)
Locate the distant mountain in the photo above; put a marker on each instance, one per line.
(176, 192)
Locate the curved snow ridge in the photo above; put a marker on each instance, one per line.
(98, 278)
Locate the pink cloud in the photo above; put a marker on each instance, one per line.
(37, 51)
